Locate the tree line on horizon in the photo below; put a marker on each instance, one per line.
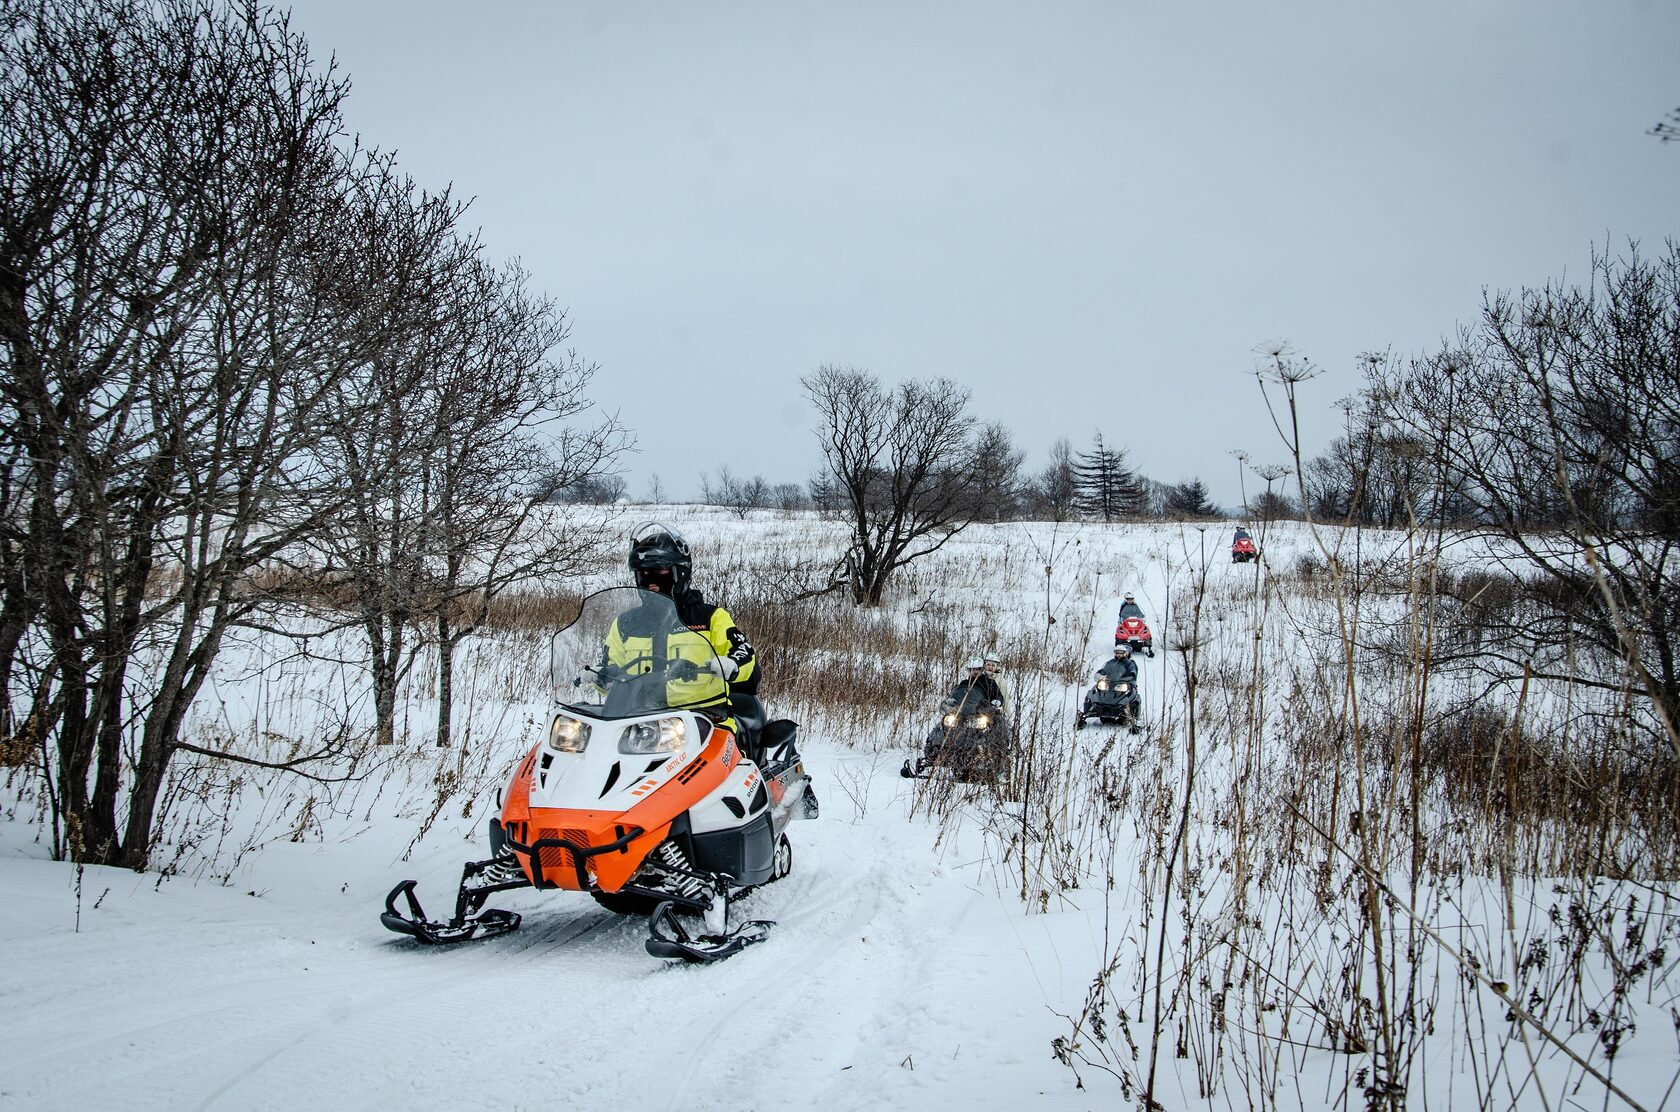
(1095, 484)
(1550, 425)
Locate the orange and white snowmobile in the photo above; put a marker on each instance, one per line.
(655, 791)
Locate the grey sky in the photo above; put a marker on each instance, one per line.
(1090, 213)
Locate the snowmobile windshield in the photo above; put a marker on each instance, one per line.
(628, 654)
(967, 699)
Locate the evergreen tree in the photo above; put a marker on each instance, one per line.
(1190, 499)
(1105, 486)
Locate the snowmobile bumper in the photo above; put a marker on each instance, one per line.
(478, 880)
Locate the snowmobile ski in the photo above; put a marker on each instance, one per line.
(478, 880)
(668, 938)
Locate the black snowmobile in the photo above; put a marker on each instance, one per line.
(1114, 699)
(972, 741)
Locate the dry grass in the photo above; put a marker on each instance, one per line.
(1319, 806)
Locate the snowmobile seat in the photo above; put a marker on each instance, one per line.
(749, 715)
(777, 736)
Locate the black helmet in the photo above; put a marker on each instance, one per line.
(659, 559)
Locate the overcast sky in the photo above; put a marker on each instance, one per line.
(1091, 214)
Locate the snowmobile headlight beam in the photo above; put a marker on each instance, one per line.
(1102, 684)
(1124, 688)
(981, 722)
(950, 720)
(654, 735)
(567, 734)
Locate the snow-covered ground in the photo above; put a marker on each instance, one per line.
(898, 977)
(906, 969)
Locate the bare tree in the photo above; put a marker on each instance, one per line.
(1557, 418)
(1272, 504)
(446, 478)
(188, 262)
(734, 493)
(1054, 493)
(790, 496)
(902, 461)
(997, 473)
(381, 428)
(500, 388)
(1374, 473)
(593, 490)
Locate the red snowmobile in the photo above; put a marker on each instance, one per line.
(1242, 548)
(1133, 631)
(649, 793)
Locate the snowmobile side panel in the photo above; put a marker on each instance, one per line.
(746, 854)
(718, 811)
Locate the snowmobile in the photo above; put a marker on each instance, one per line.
(971, 741)
(639, 795)
(1113, 700)
(1242, 547)
(1133, 631)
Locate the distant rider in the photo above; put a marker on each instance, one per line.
(1121, 668)
(978, 679)
(994, 668)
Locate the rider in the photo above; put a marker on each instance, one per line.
(980, 679)
(1121, 669)
(994, 667)
(660, 561)
(1129, 607)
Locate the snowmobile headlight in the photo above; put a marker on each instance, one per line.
(950, 720)
(981, 722)
(567, 734)
(1123, 688)
(659, 735)
(1102, 684)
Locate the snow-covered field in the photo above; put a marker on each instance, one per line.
(930, 950)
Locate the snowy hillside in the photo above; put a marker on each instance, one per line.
(1239, 877)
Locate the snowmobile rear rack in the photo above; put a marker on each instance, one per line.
(478, 880)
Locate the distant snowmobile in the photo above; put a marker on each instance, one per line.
(1242, 547)
(638, 796)
(971, 742)
(1133, 631)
